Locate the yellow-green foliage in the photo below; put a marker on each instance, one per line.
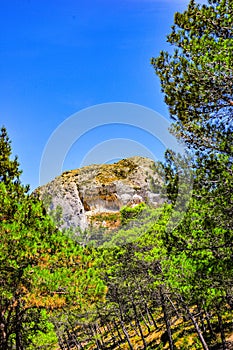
(129, 213)
(116, 171)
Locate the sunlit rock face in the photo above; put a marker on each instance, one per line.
(80, 195)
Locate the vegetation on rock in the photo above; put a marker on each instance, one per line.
(101, 189)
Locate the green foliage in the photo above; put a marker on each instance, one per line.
(197, 82)
(41, 268)
(43, 334)
(9, 171)
(129, 213)
(197, 78)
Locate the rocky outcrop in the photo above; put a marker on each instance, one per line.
(101, 190)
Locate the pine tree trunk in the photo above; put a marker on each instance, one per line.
(146, 323)
(138, 324)
(126, 334)
(72, 336)
(122, 322)
(134, 327)
(200, 335)
(203, 327)
(3, 337)
(220, 324)
(18, 337)
(94, 334)
(98, 331)
(118, 332)
(210, 328)
(124, 329)
(114, 338)
(76, 337)
(166, 318)
(174, 308)
(152, 318)
(199, 332)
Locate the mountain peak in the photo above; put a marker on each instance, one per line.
(101, 190)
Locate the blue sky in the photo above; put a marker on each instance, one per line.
(60, 56)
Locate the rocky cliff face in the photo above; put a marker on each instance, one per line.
(93, 194)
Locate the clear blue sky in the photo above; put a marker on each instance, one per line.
(60, 56)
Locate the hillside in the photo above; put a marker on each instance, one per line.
(93, 195)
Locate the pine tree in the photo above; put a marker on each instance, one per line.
(197, 78)
(40, 268)
(197, 82)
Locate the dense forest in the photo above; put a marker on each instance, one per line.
(155, 283)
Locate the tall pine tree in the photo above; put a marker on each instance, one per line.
(40, 268)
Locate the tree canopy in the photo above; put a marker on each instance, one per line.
(197, 77)
(41, 268)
